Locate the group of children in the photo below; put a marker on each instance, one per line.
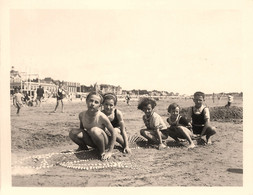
(24, 99)
(101, 129)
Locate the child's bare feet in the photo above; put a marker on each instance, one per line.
(209, 142)
(161, 146)
(191, 146)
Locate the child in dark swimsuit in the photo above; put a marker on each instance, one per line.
(179, 126)
(116, 118)
(60, 96)
(200, 118)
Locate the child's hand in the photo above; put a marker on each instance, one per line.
(127, 150)
(161, 146)
(106, 156)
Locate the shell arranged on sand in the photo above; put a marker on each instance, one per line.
(81, 165)
(87, 159)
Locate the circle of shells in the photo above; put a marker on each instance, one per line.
(43, 161)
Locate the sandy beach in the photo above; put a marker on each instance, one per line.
(44, 156)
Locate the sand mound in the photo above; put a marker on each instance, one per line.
(226, 114)
(223, 114)
(37, 140)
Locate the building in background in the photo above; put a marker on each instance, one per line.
(104, 88)
(29, 83)
(72, 87)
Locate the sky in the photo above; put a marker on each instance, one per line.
(172, 50)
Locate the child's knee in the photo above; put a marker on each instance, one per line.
(117, 131)
(75, 133)
(211, 131)
(71, 134)
(143, 132)
(96, 131)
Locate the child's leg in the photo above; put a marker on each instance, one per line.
(210, 131)
(57, 103)
(185, 133)
(172, 133)
(150, 135)
(99, 138)
(81, 138)
(62, 107)
(119, 137)
(40, 101)
(18, 108)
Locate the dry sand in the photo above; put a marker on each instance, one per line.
(40, 147)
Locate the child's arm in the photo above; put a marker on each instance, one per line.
(189, 115)
(145, 122)
(14, 100)
(161, 145)
(112, 140)
(80, 119)
(184, 122)
(123, 131)
(207, 119)
(157, 123)
(157, 130)
(168, 120)
(189, 126)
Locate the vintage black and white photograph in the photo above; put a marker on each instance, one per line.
(126, 97)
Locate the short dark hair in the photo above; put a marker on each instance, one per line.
(110, 96)
(199, 93)
(146, 101)
(173, 106)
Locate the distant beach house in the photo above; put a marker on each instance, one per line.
(104, 88)
(29, 83)
(110, 89)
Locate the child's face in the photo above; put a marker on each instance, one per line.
(148, 110)
(198, 100)
(174, 112)
(109, 106)
(93, 103)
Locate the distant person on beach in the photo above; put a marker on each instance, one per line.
(17, 100)
(59, 97)
(116, 118)
(179, 126)
(26, 98)
(40, 95)
(156, 130)
(92, 128)
(128, 99)
(200, 119)
(230, 100)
